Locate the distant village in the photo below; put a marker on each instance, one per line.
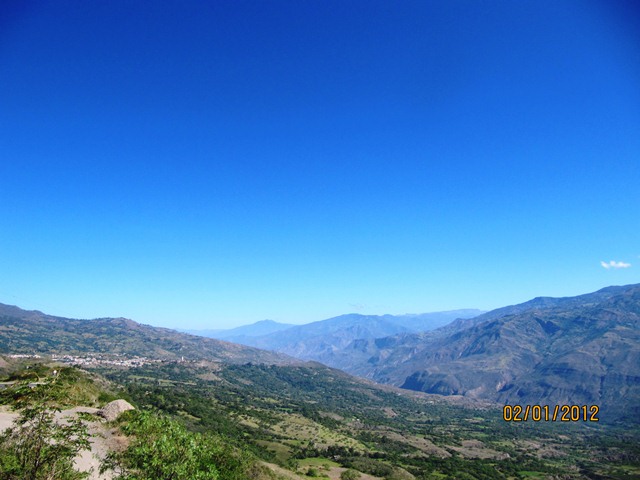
(94, 360)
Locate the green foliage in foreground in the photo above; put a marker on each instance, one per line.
(163, 449)
(38, 447)
(41, 446)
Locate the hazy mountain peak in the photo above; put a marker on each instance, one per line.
(238, 334)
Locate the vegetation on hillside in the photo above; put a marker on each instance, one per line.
(40, 446)
(227, 415)
(315, 420)
(223, 421)
(163, 449)
(30, 332)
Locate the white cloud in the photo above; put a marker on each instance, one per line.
(614, 264)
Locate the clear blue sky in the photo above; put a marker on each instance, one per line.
(209, 164)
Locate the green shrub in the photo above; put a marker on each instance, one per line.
(163, 449)
(350, 475)
(39, 448)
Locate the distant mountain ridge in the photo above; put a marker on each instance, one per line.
(538, 303)
(573, 350)
(319, 341)
(23, 331)
(242, 333)
(582, 350)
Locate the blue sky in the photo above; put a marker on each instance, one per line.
(210, 164)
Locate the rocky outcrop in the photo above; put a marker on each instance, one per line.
(113, 410)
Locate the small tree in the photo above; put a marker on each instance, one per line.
(349, 475)
(162, 449)
(38, 447)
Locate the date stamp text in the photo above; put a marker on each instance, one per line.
(546, 413)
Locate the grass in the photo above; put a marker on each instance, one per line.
(533, 475)
(319, 462)
(297, 427)
(281, 450)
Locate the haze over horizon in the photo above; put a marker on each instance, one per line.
(201, 165)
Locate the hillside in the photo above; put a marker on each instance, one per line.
(578, 350)
(304, 420)
(60, 423)
(317, 421)
(33, 332)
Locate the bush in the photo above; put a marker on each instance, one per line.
(350, 475)
(163, 449)
(38, 448)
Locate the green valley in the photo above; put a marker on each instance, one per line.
(314, 421)
(238, 412)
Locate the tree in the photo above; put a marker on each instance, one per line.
(349, 475)
(38, 447)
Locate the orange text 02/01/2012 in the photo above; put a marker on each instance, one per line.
(545, 413)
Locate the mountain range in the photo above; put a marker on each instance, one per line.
(321, 340)
(243, 333)
(582, 350)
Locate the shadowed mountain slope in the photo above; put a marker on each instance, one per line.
(578, 350)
